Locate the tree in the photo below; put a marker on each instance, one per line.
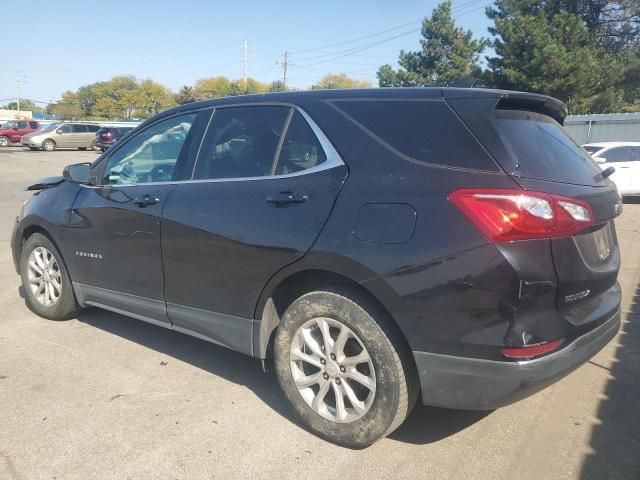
(152, 98)
(186, 94)
(448, 54)
(277, 86)
(25, 104)
(554, 48)
(339, 80)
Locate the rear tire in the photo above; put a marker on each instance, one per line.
(45, 279)
(48, 145)
(4, 141)
(373, 360)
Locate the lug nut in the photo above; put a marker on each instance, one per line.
(325, 376)
(323, 361)
(342, 369)
(333, 357)
(338, 382)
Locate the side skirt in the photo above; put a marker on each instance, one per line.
(228, 331)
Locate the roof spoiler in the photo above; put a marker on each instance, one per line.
(534, 103)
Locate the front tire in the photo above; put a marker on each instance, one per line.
(4, 141)
(344, 368)
(48, 145)
(45, 279)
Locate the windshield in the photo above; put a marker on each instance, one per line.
(591, 150)
(7, 125)
(49, 128)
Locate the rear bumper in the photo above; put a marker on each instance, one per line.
(477, 384)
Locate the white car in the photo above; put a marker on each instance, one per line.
(625, 158)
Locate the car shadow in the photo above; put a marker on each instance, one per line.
(615, 438)
(424, 425)
(431, 424)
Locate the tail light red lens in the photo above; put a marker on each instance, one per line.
(503, 215)
(106, 134)
(531, 351)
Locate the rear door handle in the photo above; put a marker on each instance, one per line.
(145, 201)
(285, 198)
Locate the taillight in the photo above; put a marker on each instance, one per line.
(530, 351)
(106, 134)
(503, 215)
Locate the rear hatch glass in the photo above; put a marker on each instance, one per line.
(543, 149)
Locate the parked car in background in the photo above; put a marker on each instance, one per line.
(107, 136)
(12, 132)
(374, 243)
(625, 158)
(67, 135)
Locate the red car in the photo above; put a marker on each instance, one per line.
(12, 132)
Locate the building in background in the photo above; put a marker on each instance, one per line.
(608, 127)
(13, 114)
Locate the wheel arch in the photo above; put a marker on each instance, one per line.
(281, 292)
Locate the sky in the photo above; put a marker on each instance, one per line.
(63, 45)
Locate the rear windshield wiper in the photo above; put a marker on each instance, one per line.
(607, 172)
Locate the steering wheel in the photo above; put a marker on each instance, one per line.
(161, 173)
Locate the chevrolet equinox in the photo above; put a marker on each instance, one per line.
(380, 246)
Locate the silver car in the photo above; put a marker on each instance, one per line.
(67, 135)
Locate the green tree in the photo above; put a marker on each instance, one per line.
(277, 86)
(339, 80)
(25, 104)
(187, 94)
(213, 87)
(152, 98)
(448, 53)
(580, 51)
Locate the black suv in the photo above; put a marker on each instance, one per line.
(379, 245)
(107, 136)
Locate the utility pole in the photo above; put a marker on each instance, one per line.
(244, 76)
(18, 93)
(285, 64)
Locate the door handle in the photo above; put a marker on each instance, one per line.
(285, 198)
(145, 201)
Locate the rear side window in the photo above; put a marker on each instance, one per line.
(93, 128)
(33, 125)
(426, 131)
(241, 142)
(79, 128)
(301, 149)
(543, 149)
(22, 124)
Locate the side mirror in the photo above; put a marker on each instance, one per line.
(600, 160)
(78, 173)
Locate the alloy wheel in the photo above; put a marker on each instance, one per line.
(332, 370)
(45, 278)
(4, 142)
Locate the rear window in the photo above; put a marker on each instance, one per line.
(544, 150)
(426, 131)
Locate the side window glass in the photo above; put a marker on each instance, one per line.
(301, 148)
(635, 154)
(241, 142)
(150, 156)
(66, 129)
(80, 129)
(33, 125)
(620, 154)
(22, 125)
(93, 128)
